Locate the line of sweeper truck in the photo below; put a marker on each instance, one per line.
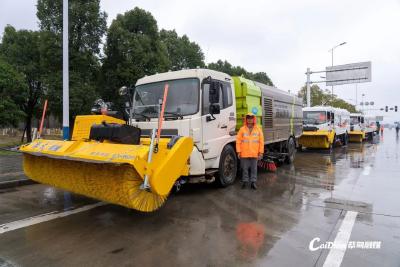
(180, 127)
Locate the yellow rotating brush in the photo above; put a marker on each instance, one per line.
(117, 184)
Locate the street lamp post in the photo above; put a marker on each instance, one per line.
(362, 101)
(356, 96)
(65, 77)
(331, 50)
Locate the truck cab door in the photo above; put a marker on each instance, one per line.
(217, 127)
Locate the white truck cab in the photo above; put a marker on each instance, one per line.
(357, 122)
(188, 112)
(370, 126)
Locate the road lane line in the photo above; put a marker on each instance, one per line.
(336, 253)
(7, 227)
(11, 174)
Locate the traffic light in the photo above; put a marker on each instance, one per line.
(395, 108)
(386, 108)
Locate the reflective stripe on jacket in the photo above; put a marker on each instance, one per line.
(250, 144)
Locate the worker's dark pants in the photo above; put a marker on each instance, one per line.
(249, 164)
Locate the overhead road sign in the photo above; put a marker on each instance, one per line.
(348, 73)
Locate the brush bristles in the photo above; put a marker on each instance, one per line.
(267, 165)
(117, 184)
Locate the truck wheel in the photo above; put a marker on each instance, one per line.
(330, 148)
(345, 139)
(291, 150)
(227, 167)
(334, 144)
(299, 148)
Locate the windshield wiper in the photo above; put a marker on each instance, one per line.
(176, 114)
(140, 114)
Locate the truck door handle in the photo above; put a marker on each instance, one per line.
(224, 126)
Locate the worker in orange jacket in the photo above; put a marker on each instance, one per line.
(250, 148)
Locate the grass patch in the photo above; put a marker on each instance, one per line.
(8, 142)
(8, 153)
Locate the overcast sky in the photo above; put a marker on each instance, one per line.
(282, 38)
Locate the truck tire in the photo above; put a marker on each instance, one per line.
(332, 145)
(345, 139)
(335, 139)
(226, 174)
(299, 148)
(291, 150)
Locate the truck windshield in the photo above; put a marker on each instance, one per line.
(182, 99)
(354, 120)
(314, 117)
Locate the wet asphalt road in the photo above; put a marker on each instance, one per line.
(11, 167)
(206, 226)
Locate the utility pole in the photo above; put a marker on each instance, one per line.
(308, 88)
(65, 72)
(356, 96)
(362, 101)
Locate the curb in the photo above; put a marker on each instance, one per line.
(16, 183)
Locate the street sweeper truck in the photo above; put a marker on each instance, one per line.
(361, 127)
(181, 128)
(324, 126)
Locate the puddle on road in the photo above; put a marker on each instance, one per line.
(5, 263)
(321, 170)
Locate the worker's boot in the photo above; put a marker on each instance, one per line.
(244, 185)
(253, 186)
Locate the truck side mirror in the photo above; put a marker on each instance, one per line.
(362, 119)
(214, 92)
(123, 91)
(332, 118)
(215, 109)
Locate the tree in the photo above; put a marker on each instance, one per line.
(87, 26)
(226, 67)
(20, 49)
(13, 94)
(182, 53)
(133, 49)
(261, 77)
(320, 97)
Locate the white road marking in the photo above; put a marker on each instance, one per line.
(336, 254)
(366, 170)
(11, 174)
(7, 227)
